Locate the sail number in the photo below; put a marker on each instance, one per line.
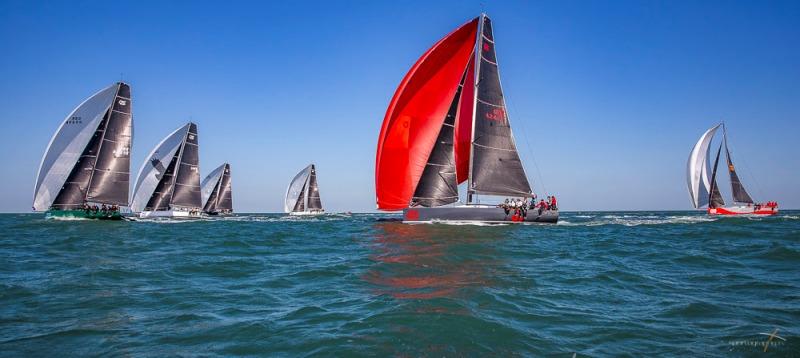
(74, 120)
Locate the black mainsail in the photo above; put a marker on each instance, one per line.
(111, 176)
(314, 201)
(186, 191)
(737, 189)
(496, 168)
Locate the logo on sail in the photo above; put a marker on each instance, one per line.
(122, 102)
(497, 114)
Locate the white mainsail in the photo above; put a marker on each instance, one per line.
(210, 182)
(697, 169)
(295, 189)
(154, 167)
(67, 145)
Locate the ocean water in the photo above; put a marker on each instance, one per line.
(597, 284)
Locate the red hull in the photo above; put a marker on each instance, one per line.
(744, 210)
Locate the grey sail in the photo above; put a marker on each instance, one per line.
(737, 189)
(186, 191)
(300, 204)
(496, 168)
(715, 198)
(314, 201)
(110, 179)
(438, 186)
(225, 197)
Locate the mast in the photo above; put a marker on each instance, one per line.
(477, 59)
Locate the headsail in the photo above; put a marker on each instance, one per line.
(737, 189)
(68, 144)
(715, 199)
(154, 181)
(496, 167)
(438, 184)
(296, 190)
(314, 200)
(415, 115)
(697, 169)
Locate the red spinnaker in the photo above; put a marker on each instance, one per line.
(463, 126)
(415, 116)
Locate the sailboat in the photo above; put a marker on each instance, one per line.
(704, 191)
(168, 184)
(302, 195)
(216, 190)
(85, 170)
(445, 125)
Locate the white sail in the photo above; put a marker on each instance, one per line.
(210, 182)
(67, 144)
(295, 189)
(697, 169)
(154, 166)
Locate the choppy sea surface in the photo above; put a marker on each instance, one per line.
(596, 284)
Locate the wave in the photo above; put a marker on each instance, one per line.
(637, 220)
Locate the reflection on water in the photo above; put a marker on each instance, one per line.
(432, 261)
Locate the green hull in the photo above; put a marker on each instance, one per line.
(81, 214)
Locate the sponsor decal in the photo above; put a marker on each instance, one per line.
(412, 215)
(122, 102)
(497, 114)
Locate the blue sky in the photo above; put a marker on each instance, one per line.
(607, 96)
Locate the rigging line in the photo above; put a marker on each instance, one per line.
(528, 144)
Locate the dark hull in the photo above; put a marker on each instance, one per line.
(482, 214)
(82, 214)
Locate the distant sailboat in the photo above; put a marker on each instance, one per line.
(703, 189)
(168, 184)
(85, 171)
(217, 193)
(302, 195)
(447, 124)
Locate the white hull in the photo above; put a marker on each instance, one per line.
(306, 213)
(169, 214)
